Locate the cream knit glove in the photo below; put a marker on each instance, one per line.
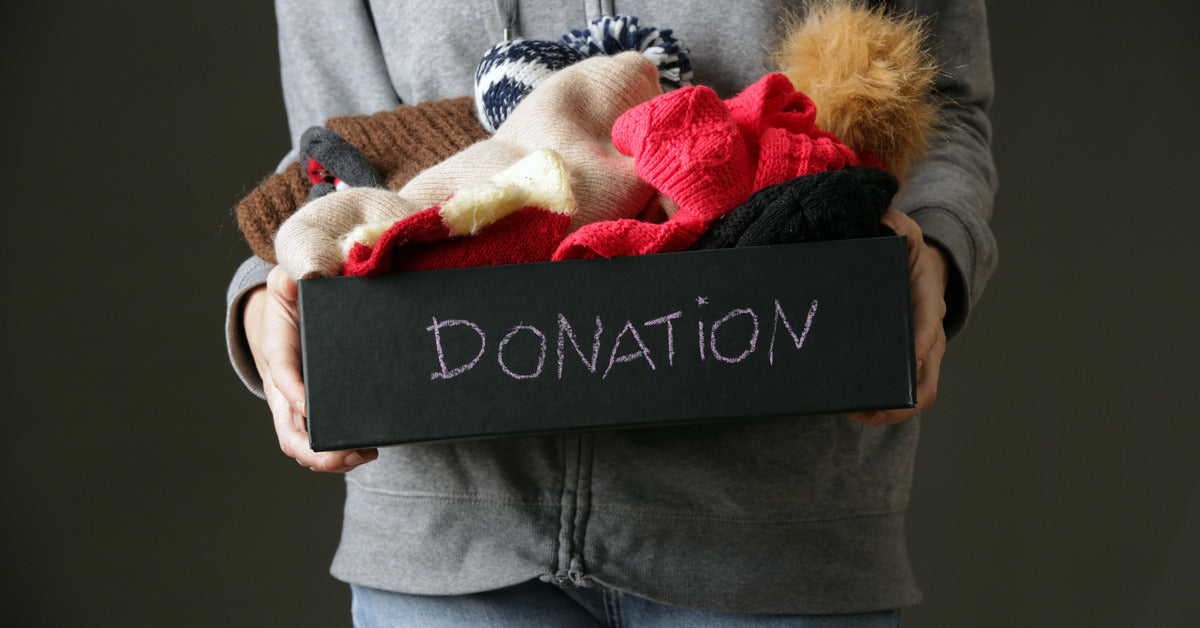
(571, 113)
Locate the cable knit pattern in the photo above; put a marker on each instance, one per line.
(708, 156)
(571, 113)
(688, 147)
(779, 126)
(829, 205)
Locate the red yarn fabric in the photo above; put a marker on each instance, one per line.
(708, 156)
(423, 242)
(317, 173)
(687, 145)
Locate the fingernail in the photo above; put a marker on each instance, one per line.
(354, 459)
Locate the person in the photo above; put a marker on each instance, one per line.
(794, 521)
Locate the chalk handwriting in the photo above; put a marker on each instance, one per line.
(779, 316)
(629, 339)
(643, 352)
(436, 328)
(670, 333)
(564, 328)
(712, 338)
(541, 356)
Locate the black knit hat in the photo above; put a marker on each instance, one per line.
(829, 205)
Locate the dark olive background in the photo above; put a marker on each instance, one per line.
(1057, 483)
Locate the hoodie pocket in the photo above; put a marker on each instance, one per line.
(764, 469)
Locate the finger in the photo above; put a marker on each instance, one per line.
(929, 309)
(928, 302)
(292, 433)
(869, 417)
(281, 285)
(282, 356)
(293, 442)
(339, 461)
(928, 312)
(927, 380)
(290, 429)
(883, 417)
(282, 343)
(861, 417)
(903, 226)
(335, 461)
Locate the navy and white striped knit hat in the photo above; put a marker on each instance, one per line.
(512, 69)
(616, 34)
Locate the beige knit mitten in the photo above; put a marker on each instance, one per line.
(571, 113)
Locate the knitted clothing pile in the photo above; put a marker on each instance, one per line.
(592, 162)
(398, 143)
(707, 156)
(571, 113)
(704, 156)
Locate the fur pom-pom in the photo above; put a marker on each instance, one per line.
(870, 74)
(618, 33)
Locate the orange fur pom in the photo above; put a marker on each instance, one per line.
(870, 74)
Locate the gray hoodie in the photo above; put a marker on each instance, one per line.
(796, 515)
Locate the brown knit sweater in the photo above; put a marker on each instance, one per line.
(399, 143)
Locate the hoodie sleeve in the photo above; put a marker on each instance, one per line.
(950, 195)
(331, 64)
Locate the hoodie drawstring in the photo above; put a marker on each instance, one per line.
(506, 14)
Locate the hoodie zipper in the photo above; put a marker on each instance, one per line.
(507, 15)
(576, 499)
(574, 509)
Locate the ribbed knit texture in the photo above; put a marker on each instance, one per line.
(407, 140)
(687, 146)
(779, 126)
(398, 143)
(571, 113)
(830, 205)
(708, 156)
(422, 242)
(261, 212)
(519, 216)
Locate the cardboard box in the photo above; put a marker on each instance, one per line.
(590, 344)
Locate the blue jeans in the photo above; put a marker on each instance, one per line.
(538, 604)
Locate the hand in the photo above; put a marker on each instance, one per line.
(272, 322)
(928, 274)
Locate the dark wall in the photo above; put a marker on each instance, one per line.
(1057, 483)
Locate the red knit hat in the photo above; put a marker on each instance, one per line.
(708, 156)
